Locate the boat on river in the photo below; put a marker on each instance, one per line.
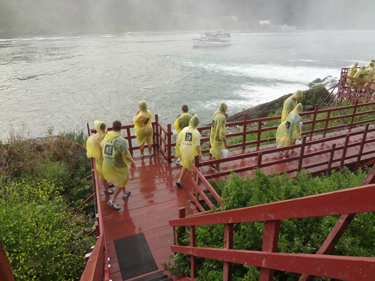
(212, 39)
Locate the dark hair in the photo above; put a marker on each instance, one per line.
(116, 125)
(185, 108)
(103, 126)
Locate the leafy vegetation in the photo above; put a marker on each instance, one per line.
(296, 235)
(38, 191)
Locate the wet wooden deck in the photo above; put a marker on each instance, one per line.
(293, 164)
(156, 199)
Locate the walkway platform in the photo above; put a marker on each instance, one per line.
(156, 199)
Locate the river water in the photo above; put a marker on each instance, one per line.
(61, 83)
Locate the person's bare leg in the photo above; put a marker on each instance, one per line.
(142, 148)
(105, 184)
(149, 146)
(285, 153)
(117, 191)
(182, 173)
(217, 166)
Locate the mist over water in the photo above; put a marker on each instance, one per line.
(64, 82)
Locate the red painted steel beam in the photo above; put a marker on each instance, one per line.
(5, 270)
(339, 267)
(208, 185)
(228, 244)
(94, 269)
(88, 200)
(332, 239)
(193, 258)
(270, 240)
(351, 200)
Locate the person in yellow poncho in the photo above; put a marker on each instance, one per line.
(351, 72)
(94, 150)
(181, 122)
(290, 103)
(370, 71)
(218, 139)
(143, 128)
(188, 143)
(360, 74)
(289, 130)
(116, 159)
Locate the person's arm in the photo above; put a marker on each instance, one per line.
(199, 152)
(223, 136)
(128, 160)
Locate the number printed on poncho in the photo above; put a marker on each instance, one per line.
(108, 149)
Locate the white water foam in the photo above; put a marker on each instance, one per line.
(298, 74)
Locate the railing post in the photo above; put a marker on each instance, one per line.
(361, 147)
(5, 269)
(156, 133)
(259, 163)
(314, 119)
(196, 163)
(301, 154)
(259, 133)
(328, 172)
(169, 142)
(344, 151)
(270, 240)
(193, 259)
(228, 244)
(244, 131)
(326, 125)
(177, 234)
(353, 115)
(129, 141)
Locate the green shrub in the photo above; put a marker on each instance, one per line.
(296, 235)
(42, 241)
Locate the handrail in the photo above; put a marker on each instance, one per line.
(97, 265)
(164, 144)
(260, 153)
(347, 201)
(348, 90)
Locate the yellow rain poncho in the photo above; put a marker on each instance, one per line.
(371, 66)
(373, 83)
(351, 72)
(188, 143)
(93, 147)
(361, 74)
(180, 123)
(116, 158)
(217, 135)
(290, 103)
(287, 131)
(142, 124)
(370, 71)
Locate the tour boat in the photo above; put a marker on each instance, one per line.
(212, 39)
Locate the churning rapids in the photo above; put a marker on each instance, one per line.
(64, 82)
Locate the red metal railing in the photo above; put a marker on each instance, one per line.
(307, 140)
(348, 90)
(163, 142)
(97, 267)
(343, 202)
(160, 142)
